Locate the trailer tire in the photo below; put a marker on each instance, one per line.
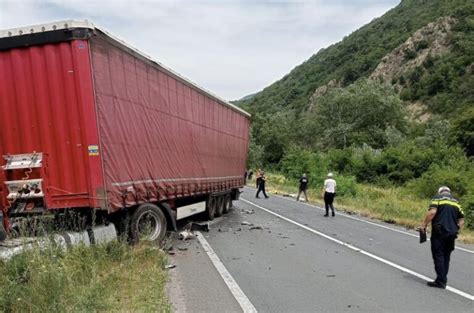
(227, 203)
(148, 223)
(219, 205)
(3, 233)
(211, 208)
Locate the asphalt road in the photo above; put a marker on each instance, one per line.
(300, 261)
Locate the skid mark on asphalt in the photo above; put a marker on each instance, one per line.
(234, 288)
(372, 223)
(354, 248)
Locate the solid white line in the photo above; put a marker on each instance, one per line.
(239, 295)
(375, 224)
(373, 256)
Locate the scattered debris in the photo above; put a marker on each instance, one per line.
(168, 247)
(197, 226)
(256, 227)
(186, 235)
(251, 211)
(331, 275)
(389, 221)
(292, 244)
(169, 266)
(182, 248)
(170, 252)
(269, 267)
(246, 223)
(239, 229)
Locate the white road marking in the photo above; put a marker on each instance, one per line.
(372, 223)
(352, 247)
(239, 295)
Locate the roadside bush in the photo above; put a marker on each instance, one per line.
(346, 186)
(459, 179)
(467, 203)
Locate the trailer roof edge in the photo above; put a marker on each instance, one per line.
(73, 24)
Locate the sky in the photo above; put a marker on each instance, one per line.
(232, 48)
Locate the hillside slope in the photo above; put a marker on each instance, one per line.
(362, 52)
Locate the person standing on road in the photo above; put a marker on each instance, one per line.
(257, 179)
(446, 217)
(261, 185)
(303, 187)
(329, 192)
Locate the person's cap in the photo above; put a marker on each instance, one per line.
(444, 189)
(330, 175)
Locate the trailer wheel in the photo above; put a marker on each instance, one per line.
(3, 233)
(227, 203)
(211, 208)
(219, 205)
(148, 224)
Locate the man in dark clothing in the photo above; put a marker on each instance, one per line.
(257, 179)
(303, 187)
(446, 217)
(261, 184)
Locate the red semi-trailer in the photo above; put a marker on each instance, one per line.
(91, 125)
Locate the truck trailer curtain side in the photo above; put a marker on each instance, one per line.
(107, 127)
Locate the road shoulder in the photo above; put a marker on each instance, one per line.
(194, 284)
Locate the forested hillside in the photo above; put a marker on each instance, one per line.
(391, 105)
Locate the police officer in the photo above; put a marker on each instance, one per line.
(446, 217)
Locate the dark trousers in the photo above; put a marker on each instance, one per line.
(305, 195)
(441, 248)
(261, 188)
(328, 200)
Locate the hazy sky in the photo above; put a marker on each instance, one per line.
(232, 48)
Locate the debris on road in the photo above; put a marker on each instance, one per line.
(331, 275)
(256, 227)
(167, 247)
(197, 226)
(169, 266)
(251, 211)
(182, 248)
(186, 235)
(246, 223)
(389, 221)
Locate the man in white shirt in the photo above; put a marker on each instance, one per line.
(329, 192)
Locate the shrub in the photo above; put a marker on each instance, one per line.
(346, 185)
(459, 179)
(467, 203)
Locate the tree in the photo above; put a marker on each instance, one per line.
(357, 114)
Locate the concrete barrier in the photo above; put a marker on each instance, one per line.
(103, 234)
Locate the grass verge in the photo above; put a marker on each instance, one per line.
(391, 205)
(109, 277)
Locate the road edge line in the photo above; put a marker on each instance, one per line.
(234, 288)
(354, 248)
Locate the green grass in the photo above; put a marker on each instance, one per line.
(385, 204)
(110, 277)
